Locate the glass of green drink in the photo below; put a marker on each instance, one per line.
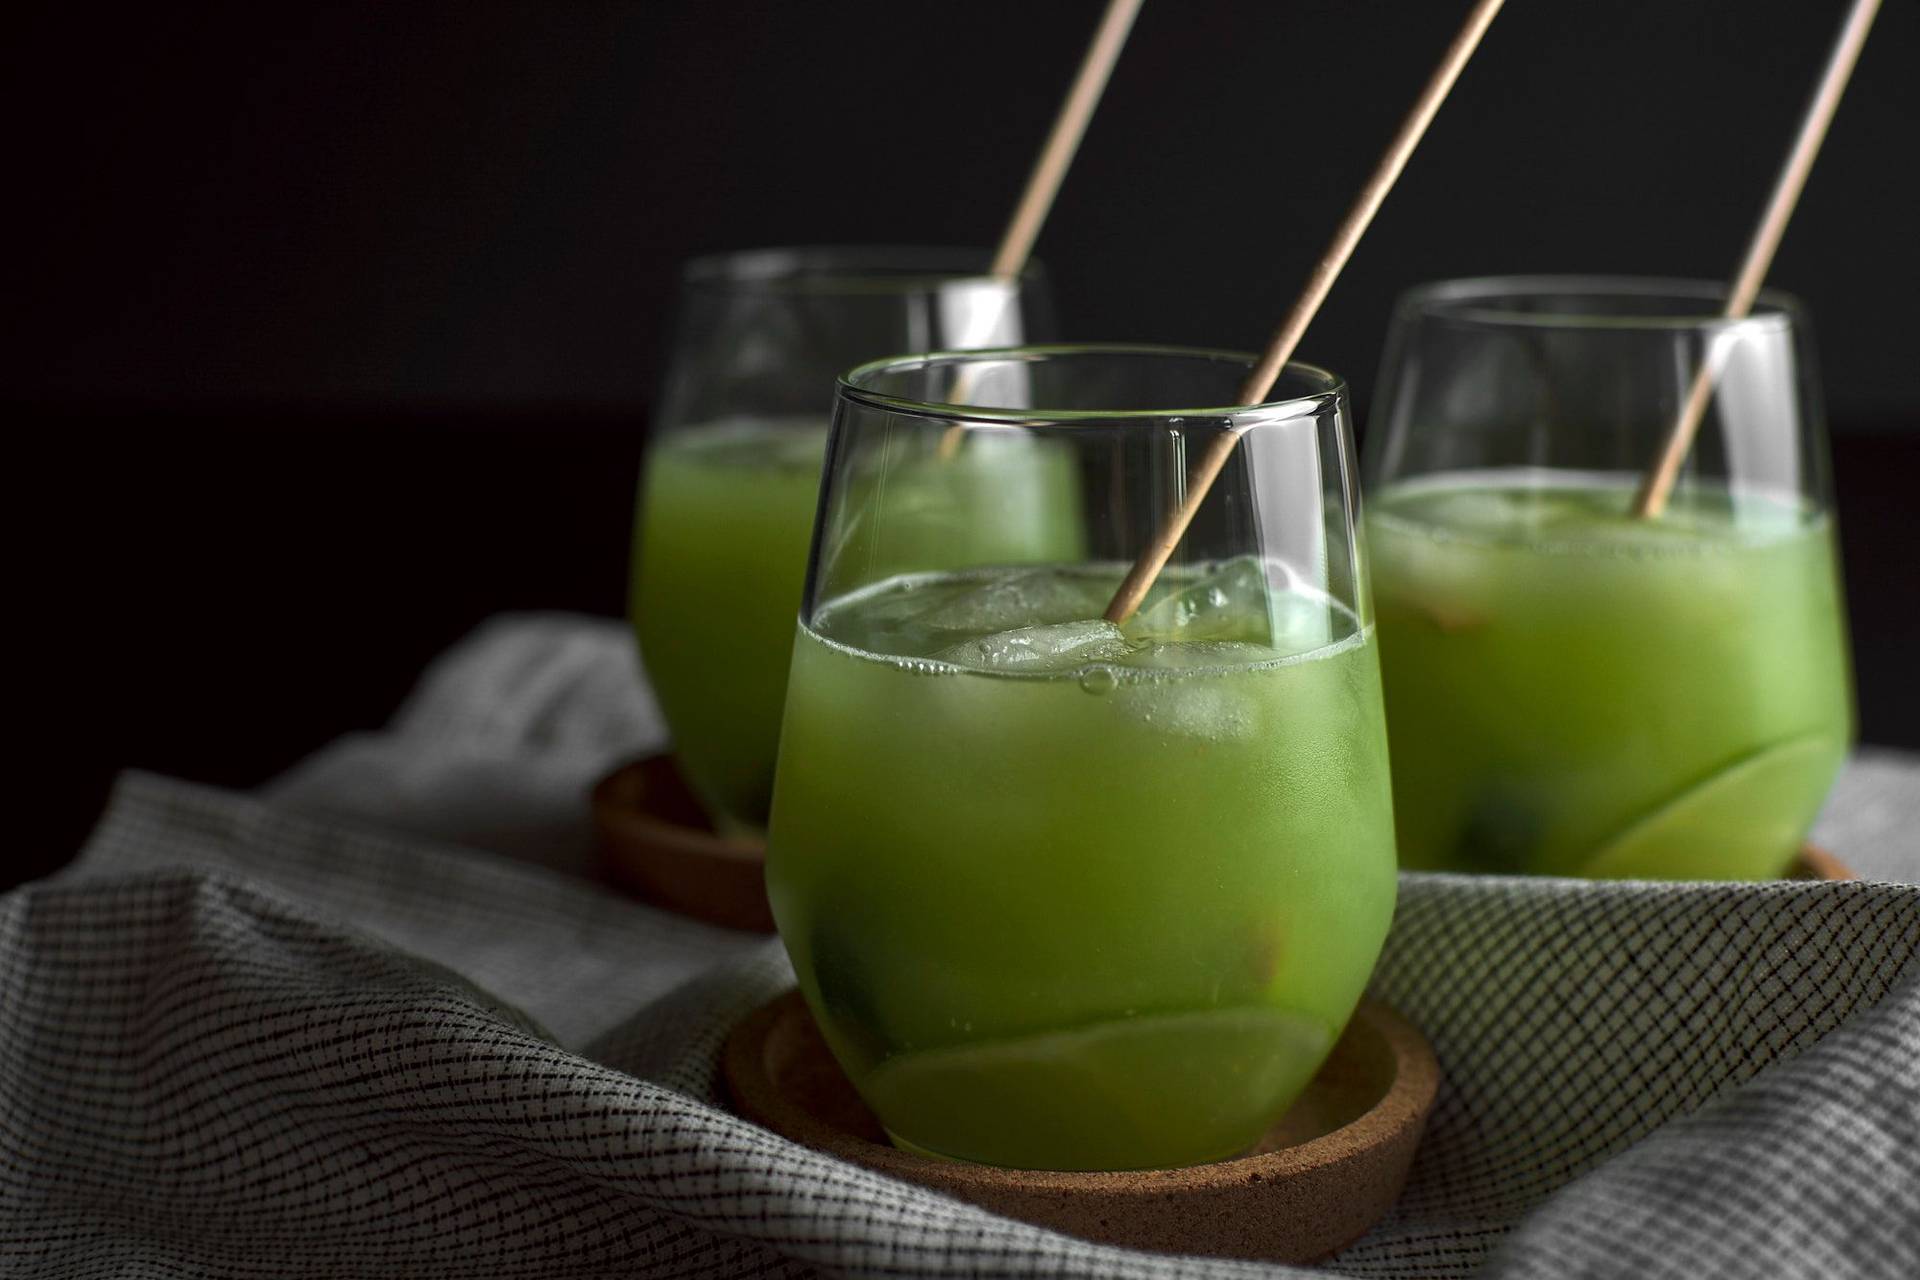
(1063, 893)
(1574, 689)
(733, 471)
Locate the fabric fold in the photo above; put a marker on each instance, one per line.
(346, 1028)
(338, 1044)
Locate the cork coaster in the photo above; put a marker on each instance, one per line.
(656, 840)
(1323, 1175)
(1815, 863)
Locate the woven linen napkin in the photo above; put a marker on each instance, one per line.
(307, 1034)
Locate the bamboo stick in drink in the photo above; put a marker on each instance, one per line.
(1657, 486)
(1050, 169)
(1140, 578)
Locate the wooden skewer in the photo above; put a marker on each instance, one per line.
(1657, 486)
(1140, 578)
(1068, 128)
(1056, 157)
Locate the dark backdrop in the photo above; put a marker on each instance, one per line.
(331, 328)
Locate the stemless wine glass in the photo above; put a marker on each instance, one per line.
(733, 472)
(1573, 689)
(1062, 893)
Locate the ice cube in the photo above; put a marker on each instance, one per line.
(1207, 708)
(1031, 599)
(1302, 620)
(1229, 602)
(1058, 647)
(1481, 511)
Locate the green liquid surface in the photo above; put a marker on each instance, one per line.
(726, 517)
(1572, 691)
(1068, 896)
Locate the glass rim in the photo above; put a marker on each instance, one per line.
(849, 269)
(1485, 301)
(1332, 387)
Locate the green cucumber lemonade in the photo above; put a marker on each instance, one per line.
(720, 557)
(1574, 691)
(1065, 895)
(726, 512)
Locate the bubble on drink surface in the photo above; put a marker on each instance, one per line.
(1056, 647)
(1098, 680)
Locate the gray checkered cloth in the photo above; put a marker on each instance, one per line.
(347, 1028)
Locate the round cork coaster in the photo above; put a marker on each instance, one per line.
(656, 840)
(1320, 1178)
(1815, 863)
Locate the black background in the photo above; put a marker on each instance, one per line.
(330, 329)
